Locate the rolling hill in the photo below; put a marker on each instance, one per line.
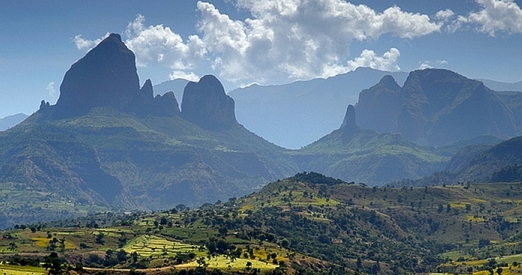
(305, 224)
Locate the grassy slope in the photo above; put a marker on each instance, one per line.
(368, 157)
(160, 162)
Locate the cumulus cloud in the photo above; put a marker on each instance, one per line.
(495, 16)
(299, 38)
(368, 58)
(444, 15)
(190, 76)
(159, 44)
(281, 40)
(51, 89)
(85, 44)
(433, 64)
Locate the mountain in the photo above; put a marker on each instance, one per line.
(502, 86)
(436, 107)
(499, 163)
(176, 86)
(484, 161)
(107, 142)
(297, 114)
(11, 121)
(354, 154)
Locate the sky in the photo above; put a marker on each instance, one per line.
(255, 41)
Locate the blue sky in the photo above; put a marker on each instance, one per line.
(255, 41)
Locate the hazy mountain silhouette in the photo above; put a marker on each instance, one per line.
(297, 114)
(435, 107)
(354, 154)
(11, 121)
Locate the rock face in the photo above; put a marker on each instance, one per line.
(349, 127)
(106, 76)
(378, 106)
(145, 103)
(435, 107)
(206, 104)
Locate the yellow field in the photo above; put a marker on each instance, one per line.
(224, 263)
(153, 245)
(21, 270)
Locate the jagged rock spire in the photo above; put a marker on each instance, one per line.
(206, 104)
(349, 117)
(105, 76)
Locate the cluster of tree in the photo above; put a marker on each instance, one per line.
(315, 178)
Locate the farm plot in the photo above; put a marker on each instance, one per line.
(226, 263)
(21, 270)
(148, 245)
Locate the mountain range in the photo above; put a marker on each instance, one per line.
(437, 107)
(110, 144)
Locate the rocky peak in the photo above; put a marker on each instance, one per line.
(206, 104)
(389, 82)
(349, 117)
(146, 90)
(165, 105)
(105, 76)
(349, 127)
(378, 106)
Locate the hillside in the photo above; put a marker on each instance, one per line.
(354, 154)
(487, 162)
(307, 223)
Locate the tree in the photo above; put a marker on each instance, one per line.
(499, 270)
(163, 221)
(53, 264)
(99, 238)
(122, 255)
(181, 207)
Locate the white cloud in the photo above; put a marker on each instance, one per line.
(51, 89)
(444, 15)
(368, 58)
(159, 44)
(190, 76)
(495, 16)
(84, 44)
(283, 39)
(433, 64)
(298, 39)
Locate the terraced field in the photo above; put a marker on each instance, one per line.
(21, 270)
(148, 245)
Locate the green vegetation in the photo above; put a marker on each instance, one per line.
(306, 223)
(65, 168)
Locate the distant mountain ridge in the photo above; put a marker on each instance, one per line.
(11, 121)
(297, 114)
(436, 107)
(502, 86)
(354, 154)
